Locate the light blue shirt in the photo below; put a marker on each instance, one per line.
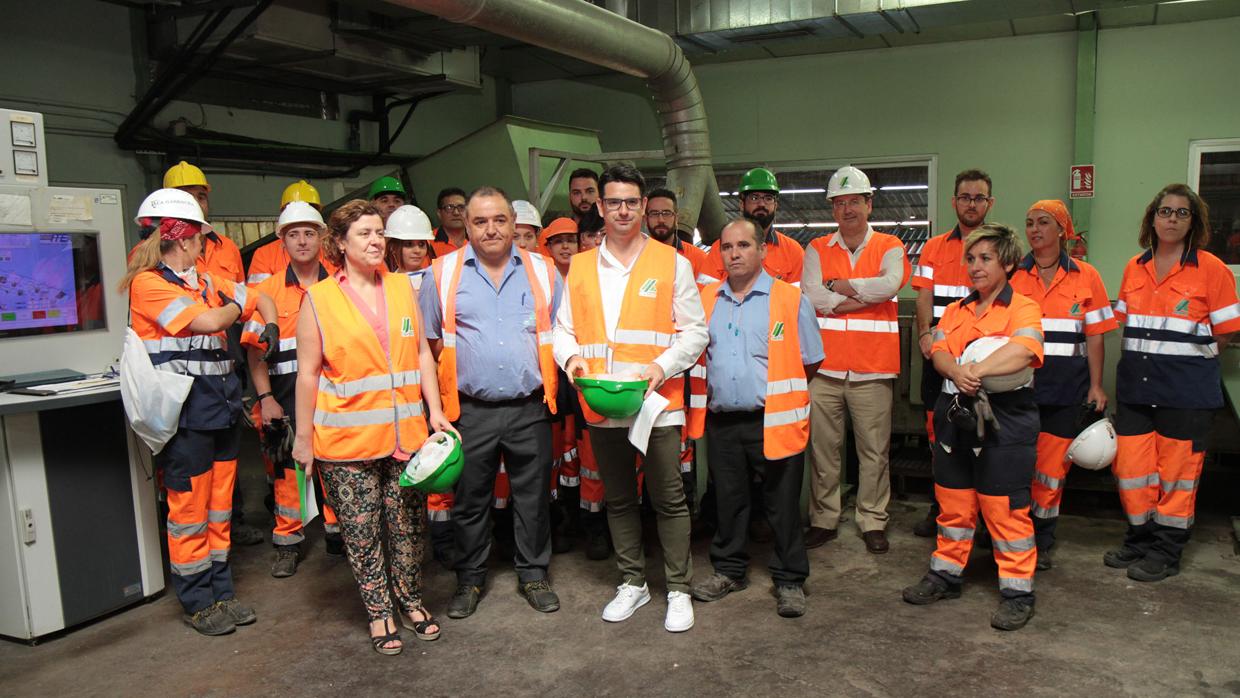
(496, 333)
(736, 358)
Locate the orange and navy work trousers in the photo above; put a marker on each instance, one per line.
(1059, 428)
(994, 481)
(1157, 469)
(199, 470)
(287, 514)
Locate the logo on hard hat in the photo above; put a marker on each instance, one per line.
(648, 288)
(844, 182)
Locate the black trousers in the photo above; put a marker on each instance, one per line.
(520, 431)
(734, 450)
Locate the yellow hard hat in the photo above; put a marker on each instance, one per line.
(184, 174)
(300, 191)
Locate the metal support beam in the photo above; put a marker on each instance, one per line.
(542, 197)
(1086, 95)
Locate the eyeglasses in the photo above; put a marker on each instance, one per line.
(660, 214)
(615, 204)
(453, 208)
(1167, 211)
(965, 199)
(758, 197)
(592, 233)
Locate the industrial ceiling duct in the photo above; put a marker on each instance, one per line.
(590, 33)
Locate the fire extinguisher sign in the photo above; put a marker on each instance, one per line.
(1081, 182)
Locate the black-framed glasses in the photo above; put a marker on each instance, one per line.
(615, 204)
(660, 214)
(1167, 212)
(453, 208)
(755, 197)
(965, 199)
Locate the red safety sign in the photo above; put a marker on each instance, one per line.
(1081, 182)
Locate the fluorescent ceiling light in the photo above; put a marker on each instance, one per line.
(876, 224)
(905, 187)
(803, 191)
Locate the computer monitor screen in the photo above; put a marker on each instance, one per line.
(50, 282)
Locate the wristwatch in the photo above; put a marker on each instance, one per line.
(831, 285)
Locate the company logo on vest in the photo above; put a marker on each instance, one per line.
(406, 327)
(648, 288)
(777, 332)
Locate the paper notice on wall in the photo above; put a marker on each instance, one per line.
(14, 209)
(67, 207)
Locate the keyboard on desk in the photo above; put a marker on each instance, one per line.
(62, 388)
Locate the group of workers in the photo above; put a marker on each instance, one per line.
(368, 331)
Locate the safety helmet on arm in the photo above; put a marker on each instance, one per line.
(386, 185)
(299, 212)
(981, 348)
(408, 223)
(184, 174)
(848, 180)
(300, 190)
(758, 179)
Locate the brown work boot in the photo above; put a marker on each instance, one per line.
(876, 542)
(817, 537)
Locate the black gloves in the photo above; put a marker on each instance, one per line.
(270, 338)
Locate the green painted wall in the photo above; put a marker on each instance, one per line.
(1005, 105)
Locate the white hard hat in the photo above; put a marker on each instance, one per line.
(848, 180)
(408, 223)
(172, 203)
(983, 347)
(527, 214)
(299, 212)
(1094, 448)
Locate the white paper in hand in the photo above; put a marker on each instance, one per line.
(309, 500)
(639, 433)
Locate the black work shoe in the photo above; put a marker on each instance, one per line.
(598, 547)
(237, 612)
(1149, 570)
(716, 587)
(790, 600)
(1045, 560)
(212, 620)
(333, 545)
(929, 590)
(817, 537)
(1012, 614)
(926, 528)
(540, 596)
(285, 564)
(245, 534)
(465, 601)
(1122, 558)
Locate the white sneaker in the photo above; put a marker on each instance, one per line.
(679, 612)
(628, 599)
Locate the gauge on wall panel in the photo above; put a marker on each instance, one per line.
(23, 133)
(26, 162)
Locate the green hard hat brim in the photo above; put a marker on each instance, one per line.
(611, 398)
(386, 185)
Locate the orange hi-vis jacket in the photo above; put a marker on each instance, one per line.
(866, 340)
(272, 259)
(286, 292)
(941, 269)
(699, 261)
(1009, 315)
(541, 273)
(646, 325)
(785, 422)
(784, 259)
(369, 402)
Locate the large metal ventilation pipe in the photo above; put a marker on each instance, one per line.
(590, 33)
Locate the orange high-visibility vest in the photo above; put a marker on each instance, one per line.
(867, 340)
(646, 325)
(369, 402)
(541, 274)
(785, 421)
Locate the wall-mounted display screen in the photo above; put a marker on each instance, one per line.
(50, 282)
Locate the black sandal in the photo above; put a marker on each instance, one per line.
(420, 627)
(378, 641)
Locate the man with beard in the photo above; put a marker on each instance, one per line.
(582, 191)
(661, 224)
(759, 202)
(941, 278)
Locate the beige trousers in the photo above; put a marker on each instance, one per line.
(868, 403)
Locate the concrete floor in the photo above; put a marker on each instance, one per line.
(1095, 633)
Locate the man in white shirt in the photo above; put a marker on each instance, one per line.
(651, 324)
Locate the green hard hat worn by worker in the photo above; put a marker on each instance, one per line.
(759, 179)
(386, 185)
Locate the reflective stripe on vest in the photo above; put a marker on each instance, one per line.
(785, 419)
(865, 341)
(541, 276)
(645, 327)
(369, 403)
